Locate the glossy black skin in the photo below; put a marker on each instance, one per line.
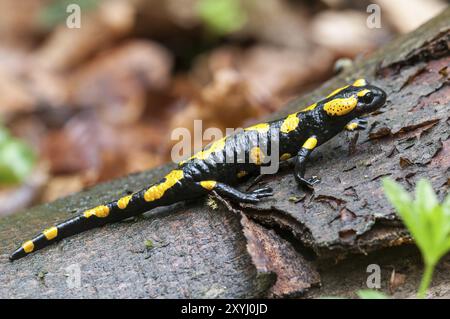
(313, 123)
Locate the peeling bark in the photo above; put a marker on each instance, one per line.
(293, 273)
(198, 251)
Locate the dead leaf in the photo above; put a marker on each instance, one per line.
(396, 280)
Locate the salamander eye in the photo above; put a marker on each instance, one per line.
(367, 98)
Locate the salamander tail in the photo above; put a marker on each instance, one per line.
(55, 233)
(163, 193)
(91, 218)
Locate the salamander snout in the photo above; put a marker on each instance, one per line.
(380, 96)
(371, 99)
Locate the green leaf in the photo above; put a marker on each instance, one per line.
(16, 161)
(222, 16)
(426, 200)
(4, 135)
(149, 244)
(371, 294)
(397, 196)
(427, 221)
(446, 205)
(402, 202)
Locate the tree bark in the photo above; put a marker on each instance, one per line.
(282, 246)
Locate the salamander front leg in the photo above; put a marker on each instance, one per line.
(356, 124)
(300, 163)
(236, 195)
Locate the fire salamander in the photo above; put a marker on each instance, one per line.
(226, 161)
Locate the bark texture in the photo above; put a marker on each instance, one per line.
(288, 245)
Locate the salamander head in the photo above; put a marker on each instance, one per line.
(354, 100)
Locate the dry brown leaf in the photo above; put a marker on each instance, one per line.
(61, 186)
(120, 81)
(396, 280)
(19, 22)
(406, 15)
(346, 32)
(66, 48)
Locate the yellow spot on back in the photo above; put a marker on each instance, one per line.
(241, 174)
(28, 246)
(99, 211)
(340, 106)
(157, 191)
(360, 82)
(262, 128)
(290, 123)
(285, 156)
(363, 92)
(123, 202)
(310, 143)
(309, 108)
(214, 147)
(256, 155)
(209, 185)
(50, 233)
(337, 91)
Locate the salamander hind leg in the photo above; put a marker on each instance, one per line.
(235, 194)
(300, 163)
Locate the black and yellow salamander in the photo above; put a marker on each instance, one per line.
(226, 161)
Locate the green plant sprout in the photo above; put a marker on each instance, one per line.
(370, 294)
(427, 221)
(16, 159)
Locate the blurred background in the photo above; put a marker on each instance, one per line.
(79, 106)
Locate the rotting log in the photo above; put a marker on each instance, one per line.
(282, 246)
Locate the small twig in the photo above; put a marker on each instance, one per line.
(353, 139)
(226, 203)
